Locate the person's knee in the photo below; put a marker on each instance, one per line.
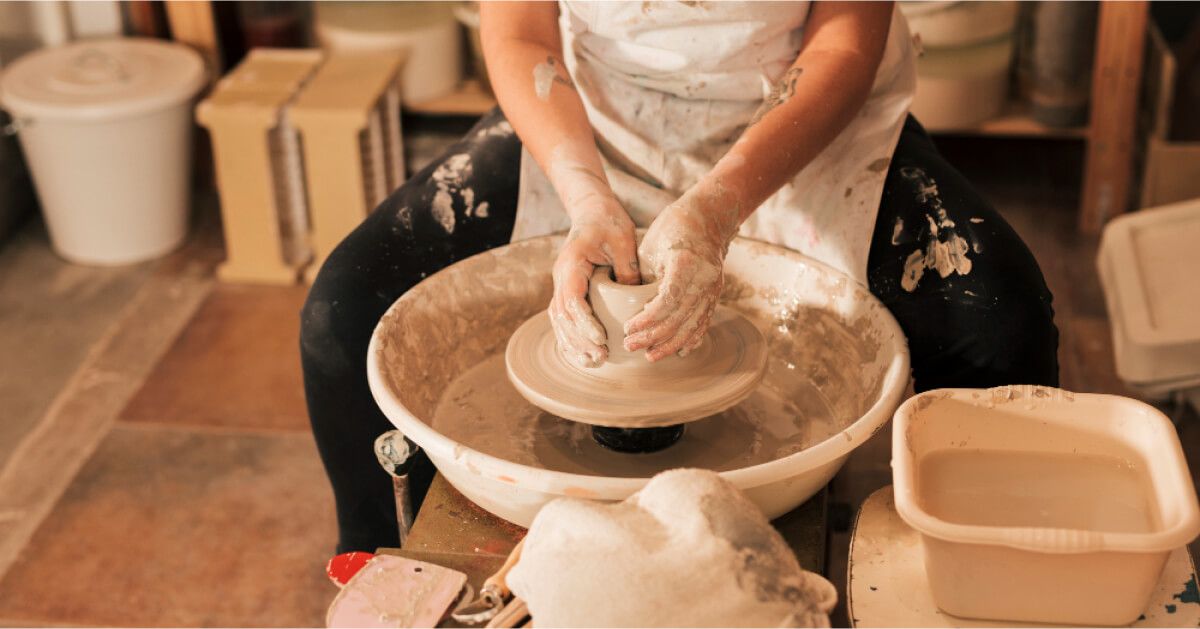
(322, 345)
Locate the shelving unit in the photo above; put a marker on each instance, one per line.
(1111, 132)
(1016, 122)
(470, 99)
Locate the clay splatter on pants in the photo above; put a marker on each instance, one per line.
(945, 251)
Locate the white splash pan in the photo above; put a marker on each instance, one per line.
(461, 315)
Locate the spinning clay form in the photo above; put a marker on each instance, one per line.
(627, 391)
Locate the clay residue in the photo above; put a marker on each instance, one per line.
(735, 290)
(483, 411)
(442, 327)
(450, 179)
(945, 251)
(545, 75)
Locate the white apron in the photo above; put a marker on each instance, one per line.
(670, 86)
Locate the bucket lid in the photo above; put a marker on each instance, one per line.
(1154, 258)
(101, 79)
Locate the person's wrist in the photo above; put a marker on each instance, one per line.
(605, 212)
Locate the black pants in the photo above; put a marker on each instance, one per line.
(990, 326)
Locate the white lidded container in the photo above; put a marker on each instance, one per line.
(942, 24)
(428, 33)
(1149, 266)
(106, 127)
(1098, 570)
(963, 69)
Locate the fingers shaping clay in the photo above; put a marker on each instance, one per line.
(688, 550)
(627, 391)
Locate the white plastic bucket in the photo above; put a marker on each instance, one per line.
(106, 128)
(1017, 562)
(428, 33)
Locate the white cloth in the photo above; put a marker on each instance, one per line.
(670, 86)
(688, 550)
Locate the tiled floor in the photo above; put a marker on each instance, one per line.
(174, 527)
(53, 313)
(204, 503)
(237, 365)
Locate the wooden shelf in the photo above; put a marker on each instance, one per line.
(469, 99)
(1016, 121)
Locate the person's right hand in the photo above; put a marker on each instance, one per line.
(603, 235)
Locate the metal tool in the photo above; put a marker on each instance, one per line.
(492, 595)
(397, 455)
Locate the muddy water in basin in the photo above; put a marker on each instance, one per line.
(483, 411)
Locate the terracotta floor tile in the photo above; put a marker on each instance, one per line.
(51, 313)
(236, 364)
(173, 527)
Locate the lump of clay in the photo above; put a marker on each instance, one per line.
(688, 550)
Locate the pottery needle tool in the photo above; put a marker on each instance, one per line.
(397, 455)
(492, 597)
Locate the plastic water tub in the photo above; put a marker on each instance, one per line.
(1089, 575)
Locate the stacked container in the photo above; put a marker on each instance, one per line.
(1149, 265)
(963, 71)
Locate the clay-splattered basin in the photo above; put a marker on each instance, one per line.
(821, 327)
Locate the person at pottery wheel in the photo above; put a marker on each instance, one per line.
(785, 122)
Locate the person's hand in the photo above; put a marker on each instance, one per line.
(684, 250)
(600, 236)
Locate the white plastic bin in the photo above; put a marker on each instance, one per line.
(1149, 265)
(1000, 562)
(107, 128)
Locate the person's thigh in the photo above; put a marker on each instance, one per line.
(461, 204)
(965, 289)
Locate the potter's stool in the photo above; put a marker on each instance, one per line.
(888, 586)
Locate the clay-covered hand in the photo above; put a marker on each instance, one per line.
(684, 250)
(600, 236)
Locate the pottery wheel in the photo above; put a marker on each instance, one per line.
(723, 371)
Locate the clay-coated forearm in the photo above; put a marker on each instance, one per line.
(523, 49)
(818, 97)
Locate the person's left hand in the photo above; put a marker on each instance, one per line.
(684, 249)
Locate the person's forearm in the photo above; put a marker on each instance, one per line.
(535, 91)
(818, 97)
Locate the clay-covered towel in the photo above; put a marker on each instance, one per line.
(688, 550)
